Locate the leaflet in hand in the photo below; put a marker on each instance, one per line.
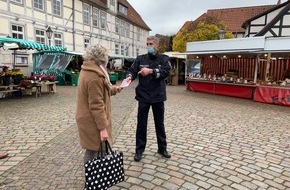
(124, 83)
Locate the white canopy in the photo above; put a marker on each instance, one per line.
(240, 45)
(175, 54)
(251, 45)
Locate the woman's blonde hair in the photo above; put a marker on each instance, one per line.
(97, 53)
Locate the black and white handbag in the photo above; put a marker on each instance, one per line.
(104, 171)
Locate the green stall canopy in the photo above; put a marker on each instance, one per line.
(18, 44)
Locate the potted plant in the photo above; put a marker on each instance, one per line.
(17, 76)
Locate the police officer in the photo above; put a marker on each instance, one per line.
(152, 68)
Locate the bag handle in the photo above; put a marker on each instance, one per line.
(108, 149)
(100, 152)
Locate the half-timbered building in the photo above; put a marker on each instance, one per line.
(274, 22)
(75, 24)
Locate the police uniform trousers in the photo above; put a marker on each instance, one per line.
(142, 119)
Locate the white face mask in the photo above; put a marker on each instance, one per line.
(150, 50)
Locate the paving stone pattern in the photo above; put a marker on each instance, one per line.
(216, 142)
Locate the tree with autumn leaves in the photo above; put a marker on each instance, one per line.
(207, 29)
(165, 43)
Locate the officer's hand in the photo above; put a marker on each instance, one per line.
(145, 71)
(128, 80)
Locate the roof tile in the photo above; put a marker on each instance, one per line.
(133, 16)
(232, 17)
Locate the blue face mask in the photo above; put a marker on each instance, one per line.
(150, 50)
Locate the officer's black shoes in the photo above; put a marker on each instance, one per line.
(164, 153)
(137, 157)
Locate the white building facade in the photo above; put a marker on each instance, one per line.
(75, 24)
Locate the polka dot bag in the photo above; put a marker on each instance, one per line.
(105, 171)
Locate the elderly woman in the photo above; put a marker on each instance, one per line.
(93, 113)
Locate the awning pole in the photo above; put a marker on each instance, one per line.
(267, 67)
(256, 68)
(185, 72)
(14, 60)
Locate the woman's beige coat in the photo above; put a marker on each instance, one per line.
(93, 105)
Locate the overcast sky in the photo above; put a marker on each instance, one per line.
(168, 16)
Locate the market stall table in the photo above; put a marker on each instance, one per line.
(221, 88)
(40, 87)
(201, 85)
(278, 95)
(6, 91)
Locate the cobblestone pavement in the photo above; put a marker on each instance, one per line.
(216, 142)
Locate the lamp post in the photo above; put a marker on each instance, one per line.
(221, 34)
(49, 35)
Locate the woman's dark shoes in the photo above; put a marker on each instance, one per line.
(137, 157)
(164, 153)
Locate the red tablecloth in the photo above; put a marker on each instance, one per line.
(201, 86)
(272, 95)
(239, 91)
(227, 89)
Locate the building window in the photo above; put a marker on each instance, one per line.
(95, 17)
(122, 50)
(86, 14)
(103, 20)
(40, 36)
(138, 34)
(117, 49)
(17, 32)
(86, 42)
(123, 28)
(17, 1)
(127, 51)
(117, 26)
(137, 51)
(56, 7)
(127, 30)
(38, 4)
(112, 2)
(123, 9)
(58, 39)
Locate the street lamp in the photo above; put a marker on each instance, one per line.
(49, 35)
(221, 34)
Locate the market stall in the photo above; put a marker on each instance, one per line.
(177, 72)
(21, 44)
(11, 79)
(118, 66)
(64, 65)
(237, 67)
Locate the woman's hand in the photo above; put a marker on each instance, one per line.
(104, 134)
(119, 89)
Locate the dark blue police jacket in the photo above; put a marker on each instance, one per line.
(151, 88)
